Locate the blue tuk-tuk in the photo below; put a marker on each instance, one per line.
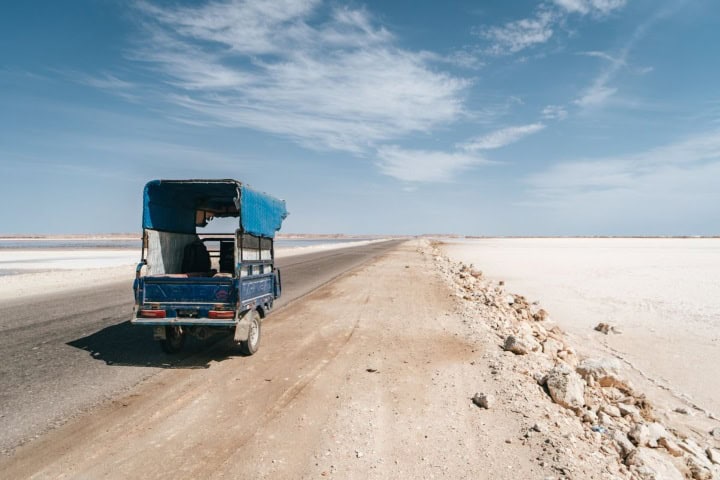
(194, 283)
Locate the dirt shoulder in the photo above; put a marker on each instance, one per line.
(370, 376)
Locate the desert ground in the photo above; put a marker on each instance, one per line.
(662, 294)
(409, 365)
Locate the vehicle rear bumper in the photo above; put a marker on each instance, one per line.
(183, 321)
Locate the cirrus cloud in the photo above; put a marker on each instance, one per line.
(413, 165)
(602, 7)
(565, 180)
(327, 78)
(518, 35)
(501, 138)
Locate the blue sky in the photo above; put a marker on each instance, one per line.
(554, 117)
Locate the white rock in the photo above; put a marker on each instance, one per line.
(655, 432)
(650, 464)
(566, 387)
(604, 371)
(694, 449)
(714, 455)
(521, 345)
(672, 447)
(552, 346)
(589, 417)
(539, 331)
(699, 470)
(639, 434)
(648, 435)
(605, 419)
(623, 445)
(611, 410)
(627, 409)
(523, 330)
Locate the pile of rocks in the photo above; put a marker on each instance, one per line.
(618, 420)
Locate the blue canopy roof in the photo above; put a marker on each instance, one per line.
(182, 205)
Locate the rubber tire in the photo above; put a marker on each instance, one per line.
(174, 340)
(251, 345)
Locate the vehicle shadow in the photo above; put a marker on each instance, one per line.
(126, 345)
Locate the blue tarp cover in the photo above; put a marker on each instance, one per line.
(181, 205)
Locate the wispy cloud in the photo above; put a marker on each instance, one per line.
(412, 165)
(604, 56)
(554, 112)
(518, 35)
(465, 58)
(564, 181)
(671, 189)
(596, 95)
(425, 165)
(104, 81)
(600, 90)
(539, 28)
(501, 138)
(584, 7)
(107, 82)
(328, 79)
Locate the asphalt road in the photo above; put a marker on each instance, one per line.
(60, 355)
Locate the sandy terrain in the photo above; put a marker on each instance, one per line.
(63, 354)
(68, 269)
(616, 408)
(663, 294)
(411, 366)
(370, 376)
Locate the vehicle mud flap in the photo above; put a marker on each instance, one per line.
(242, 328)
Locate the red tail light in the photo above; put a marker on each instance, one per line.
(221, 314)
(152, 313)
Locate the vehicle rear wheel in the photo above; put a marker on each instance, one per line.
(174, 339)
(250, 346)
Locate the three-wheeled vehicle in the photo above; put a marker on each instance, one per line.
(191, 283)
